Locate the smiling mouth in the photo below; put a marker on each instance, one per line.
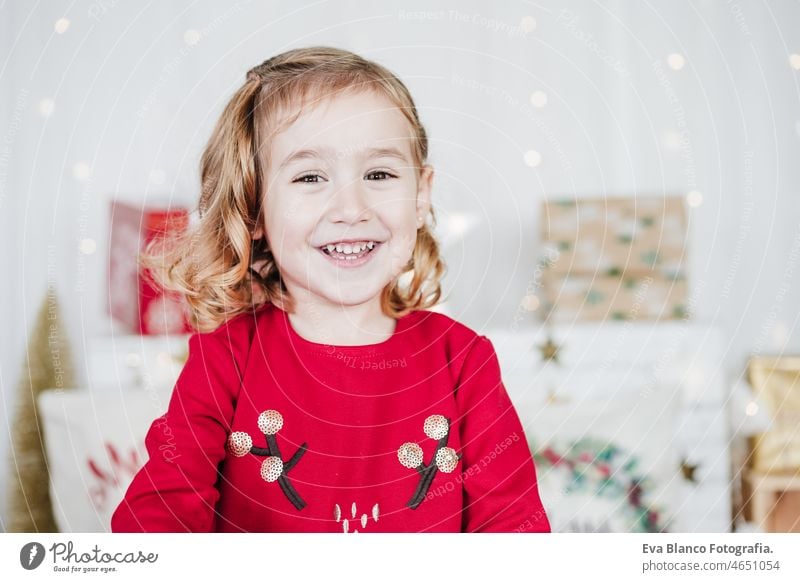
(350, 251)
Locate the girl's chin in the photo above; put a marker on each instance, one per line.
(358, 295)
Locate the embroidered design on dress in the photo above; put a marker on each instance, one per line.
(444, 458)
(337, 515)
(273, 468)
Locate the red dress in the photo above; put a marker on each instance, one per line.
(269, 432)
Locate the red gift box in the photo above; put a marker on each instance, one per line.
(133, 299)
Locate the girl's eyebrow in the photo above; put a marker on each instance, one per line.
(369, 153)
(386, 152)
(308, 154)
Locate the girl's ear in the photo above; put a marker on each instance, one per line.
(424, 186)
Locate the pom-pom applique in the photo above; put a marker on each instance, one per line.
(444, 458)
(240, 443)
(410, 455)
(273, 468)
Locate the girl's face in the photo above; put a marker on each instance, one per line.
(343, 199)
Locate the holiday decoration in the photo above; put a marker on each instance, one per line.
(549, 350)
(786, 513)
(273, 468)
(688, 471)
(105, 430)
(105, 482)
(772, 474)
(444, 459)
(134, 299)
(776, 382)
(47, 365)
(604, 470)
(614, 258)
(774, 504)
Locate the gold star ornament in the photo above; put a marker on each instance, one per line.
(549, 350)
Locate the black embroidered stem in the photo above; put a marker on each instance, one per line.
(283, 481)
(422, 486)
(296, 457)
(272, 420)
(426, 482)
(290, 492)
(428, 473)
(272, 445)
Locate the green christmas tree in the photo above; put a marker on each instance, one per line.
(47, 365)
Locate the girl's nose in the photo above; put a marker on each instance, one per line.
(350, 204)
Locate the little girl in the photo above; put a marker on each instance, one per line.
(320, 394)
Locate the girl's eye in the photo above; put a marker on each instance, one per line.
(308, 179)
(380, 175)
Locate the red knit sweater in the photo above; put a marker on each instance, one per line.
(269, 432)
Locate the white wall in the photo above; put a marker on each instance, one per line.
(135, 102)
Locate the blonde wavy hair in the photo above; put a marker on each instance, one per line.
(216, 265)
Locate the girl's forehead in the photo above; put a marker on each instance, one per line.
(362, 118)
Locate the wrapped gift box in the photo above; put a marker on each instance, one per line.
(612, 235)
(133, 300)
(776, 382)
(617, 258)
(628, 297)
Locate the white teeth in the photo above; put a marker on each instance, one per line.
(350, 248)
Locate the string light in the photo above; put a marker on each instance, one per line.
(87, 246)
(531, 302)
(539, 99)
(459, 224)
(694, 198)
(676, 61)
(61, 25)
(528, 23)
(780, 335)
(82, 171)
(191, 37)
(533, 158)
(46, 107)
(672, 140)
(794, 60)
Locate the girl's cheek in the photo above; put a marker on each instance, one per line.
(293, 209)
(400, 251)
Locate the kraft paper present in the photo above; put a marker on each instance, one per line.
(614, 258)
(776, 381)
(577, 297)
(615, 234)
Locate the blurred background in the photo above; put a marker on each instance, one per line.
(617, 195)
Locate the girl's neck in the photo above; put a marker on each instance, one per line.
(342, 325)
